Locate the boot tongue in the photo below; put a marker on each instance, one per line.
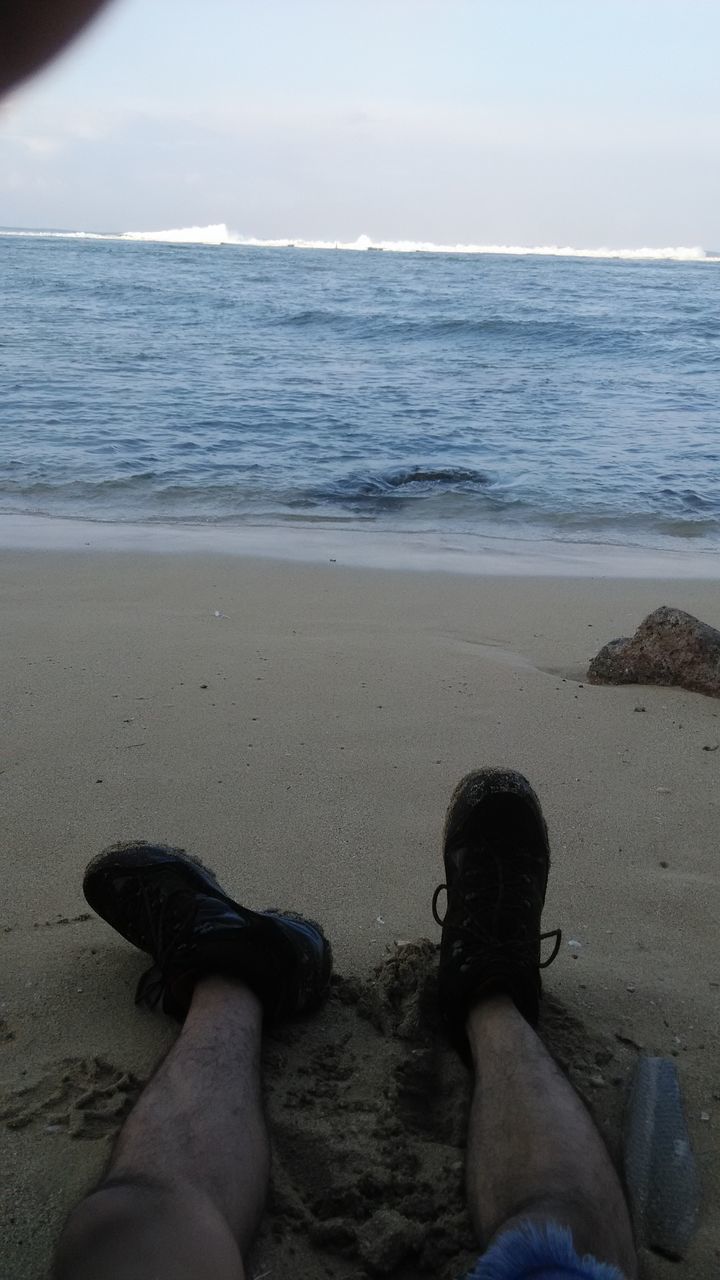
(150, 987)
(175, 990)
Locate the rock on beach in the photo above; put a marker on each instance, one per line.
(670, 647)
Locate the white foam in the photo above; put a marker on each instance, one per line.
(679, 253)
(60, 235)
(218, 233)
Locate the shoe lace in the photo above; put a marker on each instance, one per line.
(483, 938)
(166, 936)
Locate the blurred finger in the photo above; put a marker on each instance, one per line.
(33, 31)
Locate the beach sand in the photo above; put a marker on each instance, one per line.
(305, 743)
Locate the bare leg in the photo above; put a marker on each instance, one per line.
(187, 1180)
(534, 1154)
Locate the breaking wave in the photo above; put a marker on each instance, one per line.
(57, 235)
(216, 233)
(219, 234)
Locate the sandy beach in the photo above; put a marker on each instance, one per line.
(301, 727)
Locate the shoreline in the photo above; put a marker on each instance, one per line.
(479, 555)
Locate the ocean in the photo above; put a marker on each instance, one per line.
(545, 394)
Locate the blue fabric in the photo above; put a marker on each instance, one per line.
(533, 1252)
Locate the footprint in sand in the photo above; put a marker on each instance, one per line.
(83, 1097)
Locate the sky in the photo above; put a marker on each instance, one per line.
(528, 122)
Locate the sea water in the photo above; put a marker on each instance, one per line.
(542, 394)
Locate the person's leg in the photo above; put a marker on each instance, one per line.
(534, 1154)
(540, 1182)
(187, 1180)
(186, 1184)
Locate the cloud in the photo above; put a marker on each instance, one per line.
(14, 181)
(43, 127)
(39, 145)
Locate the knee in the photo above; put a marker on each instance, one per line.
(109, 1215)
(589, 1227)
(133, 1227)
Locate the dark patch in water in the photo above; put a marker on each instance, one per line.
(447, 477)
(399, 486)
(686, 498)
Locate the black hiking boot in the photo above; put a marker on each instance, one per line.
(497, 861)
(168, 904)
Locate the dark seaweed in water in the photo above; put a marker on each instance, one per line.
(447, 477)
(398, 487)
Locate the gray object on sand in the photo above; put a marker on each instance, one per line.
(670, 647)
(660, 1171)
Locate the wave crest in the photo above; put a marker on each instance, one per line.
(215, 233)
(364, 243)
(218, 233)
